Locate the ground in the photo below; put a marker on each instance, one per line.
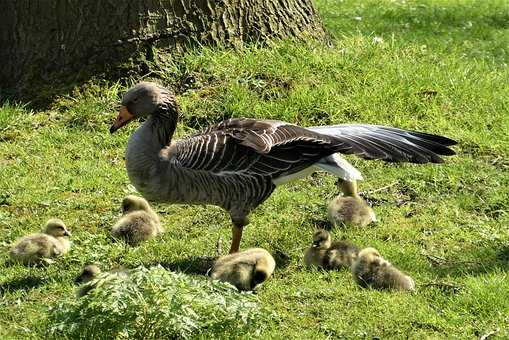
(436, 66)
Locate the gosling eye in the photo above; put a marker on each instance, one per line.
(134, 100)
(125, 207)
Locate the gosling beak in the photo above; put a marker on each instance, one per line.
(67, 233)
(123, 118)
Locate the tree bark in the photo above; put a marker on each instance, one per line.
(53, 42)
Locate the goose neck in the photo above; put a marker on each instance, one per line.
(163, 124)
(143, 163)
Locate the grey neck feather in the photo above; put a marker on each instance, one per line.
(142, 153)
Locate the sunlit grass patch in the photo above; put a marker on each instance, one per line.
(445, 225)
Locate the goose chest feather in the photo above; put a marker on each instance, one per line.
(237, 163)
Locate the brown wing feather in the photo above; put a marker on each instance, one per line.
(389, 144)
(274, 148)
(254, 147)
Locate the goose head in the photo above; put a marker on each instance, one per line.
(141, 100)
(134, 203)
(56, 228)
(321, 239)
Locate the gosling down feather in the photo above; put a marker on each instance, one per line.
(329, 255)
(370, 269)
(139, 222)
(244, 270)
(92, 277)
(42, 247)
(350, 210)
(236, 164)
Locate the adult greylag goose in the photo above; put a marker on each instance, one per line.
(237, 163)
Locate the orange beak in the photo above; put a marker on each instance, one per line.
(123, 118)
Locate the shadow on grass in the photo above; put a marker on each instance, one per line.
(282, 259)
(481, 262)
(25, 283)
(189, 265)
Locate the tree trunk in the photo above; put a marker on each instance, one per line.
(55, 42)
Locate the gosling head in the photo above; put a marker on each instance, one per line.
(89, 273)
(321, 239)
(134, 203)
(370, 255)
(56, 228)
(142, 100)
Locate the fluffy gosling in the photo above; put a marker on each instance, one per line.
(350, 210)
(245, 270)
(92, 277)
(370, 269)
(89, 273)
(42, 247)
(139, 222)
(329, 255)
(316, 254)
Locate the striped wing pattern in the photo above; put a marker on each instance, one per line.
(253, 147)
(389, 144)
(274, 148)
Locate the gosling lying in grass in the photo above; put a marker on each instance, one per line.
(316, 254)
(139, 222)
(92, 277)
(371, 270)
(42, 247)
(350, 210)
(329, 255)
(245, 270)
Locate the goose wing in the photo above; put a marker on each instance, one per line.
(389, 144)
(275, 148)
(254, 147)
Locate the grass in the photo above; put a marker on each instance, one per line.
(437, 66)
